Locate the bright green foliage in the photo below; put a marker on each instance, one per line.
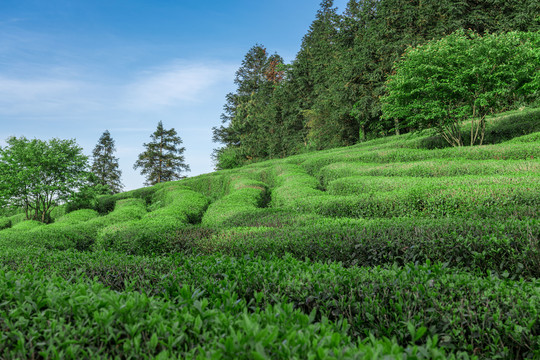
(463, 75)
(5, 223)
(78, 216)
(105, 165)
(36, 174)
(163, 159)
(157, 231)
(321, 255)
(379, 301)
(137, 326)
(27, 225)
(245, 196)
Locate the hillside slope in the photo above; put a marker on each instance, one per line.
(322, 255)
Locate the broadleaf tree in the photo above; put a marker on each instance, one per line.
(463, 75)
(105, 165)
(163, 159)
(37, 175)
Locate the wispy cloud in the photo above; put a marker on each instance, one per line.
(70, 92)
(42, 95)
(176, 84)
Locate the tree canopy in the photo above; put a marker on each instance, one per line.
(463, 75)
(163, 159)
(247, 123)
(330, 94)
(37, 174)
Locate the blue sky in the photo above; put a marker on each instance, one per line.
(74, 68)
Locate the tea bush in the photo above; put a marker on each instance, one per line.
(5, 223)
(431, 168)
(78, 216)
(39, 321)
(319, 255)
(245, 196)
(497, 318)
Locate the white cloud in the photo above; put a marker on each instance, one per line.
(45, 96)
(176, 84)
(69, 93)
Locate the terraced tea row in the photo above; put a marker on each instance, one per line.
(382, 302)
(438, 250)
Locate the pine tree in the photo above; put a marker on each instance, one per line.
(105, 165)
(163, 160)
(249, 125)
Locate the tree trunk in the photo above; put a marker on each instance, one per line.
(363, 128)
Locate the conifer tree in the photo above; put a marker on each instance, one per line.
(105, 165)
(163, 160)
(248, 122)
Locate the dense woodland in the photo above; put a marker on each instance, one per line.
(330, 95)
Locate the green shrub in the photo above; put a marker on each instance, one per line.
(74, 233)
(78, 216)
(135, 326)
(27, 225)
(499, 129)
(430, 168)
(144, 194)
(179, 202)
(157, 231)
(15, 219)
(245, 196)
(476, 245)
(126, 210)
(5, 223)
(488, 316)
(503, 151)
(531, 138)
(105, 204)
(140, 237)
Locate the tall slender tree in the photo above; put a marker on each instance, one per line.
(247, 120)
(105, 165)
(163, 159)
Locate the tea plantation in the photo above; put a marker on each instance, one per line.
(395, 248)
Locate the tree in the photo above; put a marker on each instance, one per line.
(36, 174)
(105, 165)
(463, 75)
(247, 129)
(163, 160)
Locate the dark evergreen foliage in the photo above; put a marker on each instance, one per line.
(330, 94)
(163, 160)
(105, 165)
(249, 128)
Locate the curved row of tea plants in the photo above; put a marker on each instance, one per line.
(210, 264)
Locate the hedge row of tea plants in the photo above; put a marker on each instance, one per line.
(245, 196)
(489, 316)
(156, 231)
(481, 245)
(47, 317)
(336, 247)
(430, 168)
(372, 197)
(503, 151)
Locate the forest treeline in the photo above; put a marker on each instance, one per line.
(330, 95)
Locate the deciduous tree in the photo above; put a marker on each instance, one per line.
(463, 75)
(37, 174)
